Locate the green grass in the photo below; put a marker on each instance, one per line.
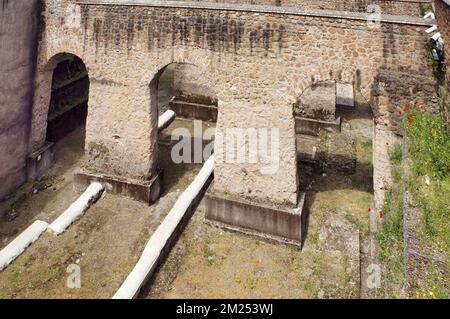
(429, 151)
(391, 233)
(364, 152)
(425, 8)
(427, 179)
(14, 276)
(208, 254)
(396, 154)
(429, 139)
(432, 200)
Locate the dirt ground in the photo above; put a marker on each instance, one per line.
(206, 262)
(106, 242)
(48, 197)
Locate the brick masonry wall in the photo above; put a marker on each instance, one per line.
(17, 62)
(442, 9)
(258, 63)
(405, 7)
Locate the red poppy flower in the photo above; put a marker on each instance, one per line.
(369, 209)
(406, 107)
(381, 215)
(410, 120)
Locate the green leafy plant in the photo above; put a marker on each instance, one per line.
(429, 141)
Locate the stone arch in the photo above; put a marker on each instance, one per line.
(366, 86)
(41, 99)
(201, 62)
(367, 89)
(153, 92)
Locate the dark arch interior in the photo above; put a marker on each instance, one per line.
(69, 98)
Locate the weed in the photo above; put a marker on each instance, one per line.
(396, 154)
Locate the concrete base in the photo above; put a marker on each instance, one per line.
(195, 111)
(312, 127)
(272, 223)
(144, 191)
(40, 161)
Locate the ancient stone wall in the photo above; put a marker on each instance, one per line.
(443, 20)
(190, 85)
(18, 32)
(396, 7)
(258, 63)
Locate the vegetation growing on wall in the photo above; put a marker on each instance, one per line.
(427, 179)
(429, 150)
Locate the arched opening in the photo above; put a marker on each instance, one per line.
(68, 106)
(59, 117)
(334, 134)
(186, 143)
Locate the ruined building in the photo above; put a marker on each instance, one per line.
(281, 64)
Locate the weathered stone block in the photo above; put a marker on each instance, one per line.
(345, 96)
(144, 191)
(275, 223)
(318, 102)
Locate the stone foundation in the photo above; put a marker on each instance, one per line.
(144, 191)
(273, 223)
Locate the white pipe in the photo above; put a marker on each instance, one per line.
(432, 29)
(21, 242)
(429, 15)
(166, 119)
(152, 251)
(77, 209)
